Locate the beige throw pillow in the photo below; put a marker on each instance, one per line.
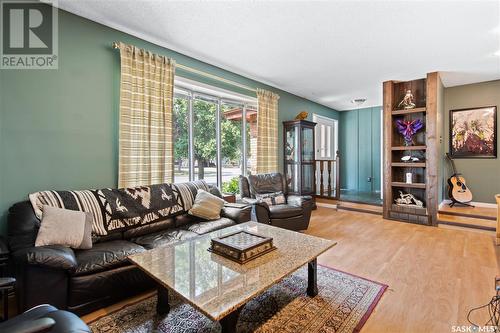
(206, 206)
(87, 233)
(275, 198)
(64, 227)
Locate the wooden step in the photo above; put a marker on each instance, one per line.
(466, 222)
(467, 229)
(351, 206)
(487, 213)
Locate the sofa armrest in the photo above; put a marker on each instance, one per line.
(54, 256)
(237, 214)
(299, 200)
(260, 210)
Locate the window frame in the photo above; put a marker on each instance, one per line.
(191, 93)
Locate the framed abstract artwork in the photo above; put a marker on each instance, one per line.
(473, 132)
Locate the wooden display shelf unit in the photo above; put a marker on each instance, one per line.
(411, 214)
(418, 147)
(409, 164)
(425, 147)
(415, 110)
(413, 185)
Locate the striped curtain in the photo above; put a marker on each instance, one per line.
(267, 132)
(146, 103)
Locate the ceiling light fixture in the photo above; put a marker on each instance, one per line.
(497, 53)
(358, 101)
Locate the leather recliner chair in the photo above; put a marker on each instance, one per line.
(293, 215)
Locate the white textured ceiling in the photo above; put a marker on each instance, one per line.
(328, 52)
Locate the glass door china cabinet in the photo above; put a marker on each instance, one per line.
(298, 136)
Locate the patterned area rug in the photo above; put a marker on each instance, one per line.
(343, 304)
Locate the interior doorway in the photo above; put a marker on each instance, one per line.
(326, 147)
(360, 155)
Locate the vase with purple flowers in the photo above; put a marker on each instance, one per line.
(408, 128)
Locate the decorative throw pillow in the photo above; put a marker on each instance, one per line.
(275, 198)
(206, 206)
(87, 233)
(64, 227)
(215, 191)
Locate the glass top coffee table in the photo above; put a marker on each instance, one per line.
(219, 287)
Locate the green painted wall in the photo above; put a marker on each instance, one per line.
(58, 128)
(482, 175)
(359, 142)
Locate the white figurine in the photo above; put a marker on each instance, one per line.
(407, 199)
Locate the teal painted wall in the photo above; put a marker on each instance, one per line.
(359, 142)
(58, 128)
(482, 175)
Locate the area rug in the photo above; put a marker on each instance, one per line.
(343, 304)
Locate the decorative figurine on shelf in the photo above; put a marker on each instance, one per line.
(407, 199)
(302, 116)
(407, 102)
(409, 178)
(290, 151)
(408, 128)
(409, 158)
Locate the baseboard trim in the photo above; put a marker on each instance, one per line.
(474, 203)
(361, 202)
(326, 205)
(359, 210)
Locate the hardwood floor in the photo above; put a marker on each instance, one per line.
(435, 275)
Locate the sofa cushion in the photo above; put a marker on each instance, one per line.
(104, 256)
(208, 226)
(284, 211)
(243, 186)
(163, 238)
(149, 228)
(266, 183)
(185, 219)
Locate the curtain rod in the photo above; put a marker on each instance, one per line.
(205, 74)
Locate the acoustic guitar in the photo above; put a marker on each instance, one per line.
(457, 189)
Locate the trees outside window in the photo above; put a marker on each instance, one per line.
(205, 140)
(181, 140)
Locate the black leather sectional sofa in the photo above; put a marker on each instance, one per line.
(84, 280)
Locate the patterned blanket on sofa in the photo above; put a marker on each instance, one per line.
(118, 209)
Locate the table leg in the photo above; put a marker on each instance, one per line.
(162, 306)
(228, 323)
(312, 278)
